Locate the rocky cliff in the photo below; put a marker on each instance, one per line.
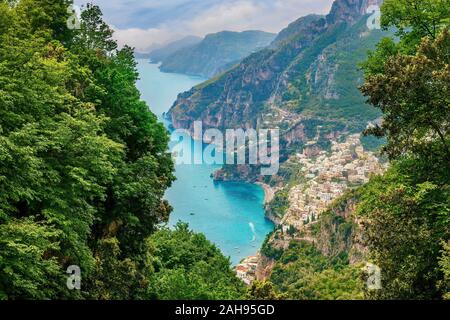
(309, 75)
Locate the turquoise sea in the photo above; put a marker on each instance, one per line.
(230, 214)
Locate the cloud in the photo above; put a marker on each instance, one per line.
(241, 15)
(145, 24)
(144, 40)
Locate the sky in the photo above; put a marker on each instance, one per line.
(147, 24)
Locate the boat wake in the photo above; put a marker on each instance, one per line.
(252, 227)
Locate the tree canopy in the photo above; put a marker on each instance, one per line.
(84, 165)
(406, 211)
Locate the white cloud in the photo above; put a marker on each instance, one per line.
(144, 40)
(269, 16)
(156, 22)
(235, 16)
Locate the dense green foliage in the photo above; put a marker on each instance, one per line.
(303, 273)
(160, 54)
(263, 290)
(187, 266)
(84, 164)
(408, 218)
(444, 264)
(413, 93)
(25, 269)
(415, 19)
(406, 211)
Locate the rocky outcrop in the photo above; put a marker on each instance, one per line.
(264, 268)
(296, 134)
(248, 173)
(349, 10)
(340, 232)
(273, 218)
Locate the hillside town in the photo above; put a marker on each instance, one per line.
(246, 270)
(326, 176)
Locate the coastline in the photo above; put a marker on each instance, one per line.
(239, 250)
(269, 192)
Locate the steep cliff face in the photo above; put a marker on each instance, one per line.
(336, 234)
(216, 53)
(310, 72)
(338, 231)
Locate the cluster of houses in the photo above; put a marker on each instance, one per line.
(327, 176)
(246, 270)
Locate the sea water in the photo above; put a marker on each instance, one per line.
(230, 214)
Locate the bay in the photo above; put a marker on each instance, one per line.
(230, 214)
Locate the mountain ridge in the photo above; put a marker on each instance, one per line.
(311, 75)
(216, 53)
(160, 54)
(294, 28)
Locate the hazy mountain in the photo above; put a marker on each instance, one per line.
(216, 53)
(160, 54)
(300, 25)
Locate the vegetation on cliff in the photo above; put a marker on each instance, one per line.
(293, 29)
(304, 273)
(324, 260)
(400, 220)
(407, 209)
(84, 166)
